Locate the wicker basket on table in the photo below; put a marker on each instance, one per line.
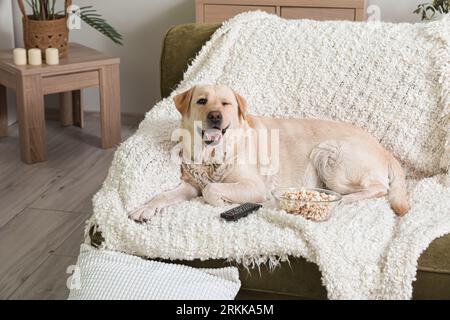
(43, 34)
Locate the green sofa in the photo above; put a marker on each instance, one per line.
(300, 279)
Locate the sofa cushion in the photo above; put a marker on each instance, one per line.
(180, 46)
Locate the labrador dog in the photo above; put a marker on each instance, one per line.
(308, 152)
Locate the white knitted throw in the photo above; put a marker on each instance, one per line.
(391, 79)
(108, 275)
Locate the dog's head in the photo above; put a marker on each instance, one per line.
(216, 108)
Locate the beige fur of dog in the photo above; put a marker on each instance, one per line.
(311, 153)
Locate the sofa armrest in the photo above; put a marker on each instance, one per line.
(181, 45)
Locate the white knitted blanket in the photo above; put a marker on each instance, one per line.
(108, 275)
(391, 79)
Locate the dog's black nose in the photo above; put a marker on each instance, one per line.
(215, 118)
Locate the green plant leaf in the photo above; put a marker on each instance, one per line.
(96, 21)
(428, 11)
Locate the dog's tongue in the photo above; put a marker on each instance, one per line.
(212, 135)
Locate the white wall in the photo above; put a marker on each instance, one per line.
(7, 42)
(398, 10)
(143, 24)
(6, 25)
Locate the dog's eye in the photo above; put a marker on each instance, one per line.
(226, 104)
(202, 101)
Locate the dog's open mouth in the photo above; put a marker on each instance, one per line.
(213, 135)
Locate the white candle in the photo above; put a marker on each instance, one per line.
(35, 57)
(20, 56)
(52, 56)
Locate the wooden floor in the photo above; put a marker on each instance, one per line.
(43, 207)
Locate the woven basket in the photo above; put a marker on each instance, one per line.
(43, 34)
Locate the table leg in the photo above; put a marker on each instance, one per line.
(71, 109)
(30, 109)
(66, 109)
(3, 112)
(110, 106)
(78, 108)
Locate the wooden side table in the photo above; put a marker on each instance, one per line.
(83, 68)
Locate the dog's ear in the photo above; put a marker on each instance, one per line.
(183, 101)
(242, 105)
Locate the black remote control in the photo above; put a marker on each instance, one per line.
(240, 211)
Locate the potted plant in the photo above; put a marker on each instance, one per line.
(47, 28)
(430, 11)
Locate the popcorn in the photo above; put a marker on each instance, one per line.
(312, 205)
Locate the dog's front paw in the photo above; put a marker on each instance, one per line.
(211, 194)
(144, 213)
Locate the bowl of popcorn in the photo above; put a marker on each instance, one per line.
(312, 204)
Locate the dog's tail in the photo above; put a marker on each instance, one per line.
(398, 194)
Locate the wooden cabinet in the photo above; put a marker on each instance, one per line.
(318, 13)
(216, 11)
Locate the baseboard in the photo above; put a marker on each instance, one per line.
(53, 114)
